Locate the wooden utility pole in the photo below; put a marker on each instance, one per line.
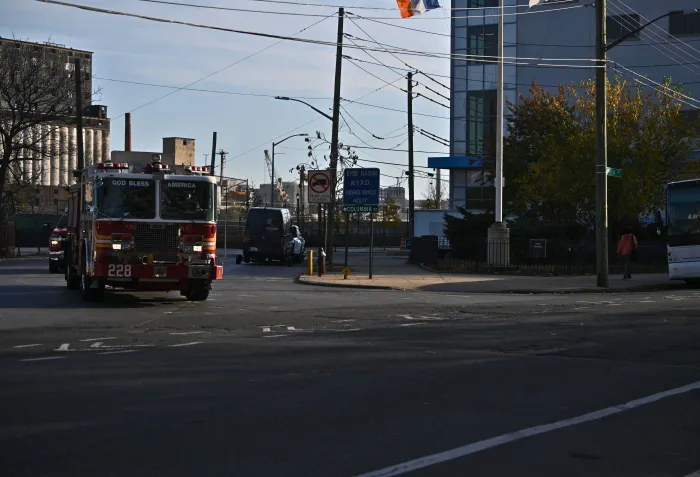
(411, 182)
(330, 223)
(601, 145)
(222, 163)
(213, 154)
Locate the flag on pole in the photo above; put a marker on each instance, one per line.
(410, 8)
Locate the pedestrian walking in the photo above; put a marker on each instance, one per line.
(627, 250)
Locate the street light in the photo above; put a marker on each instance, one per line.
(602, 48)
(335, 120)
(272, 173)
(285, 98)
(298, 221)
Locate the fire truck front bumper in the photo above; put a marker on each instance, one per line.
(158, 273)
(58, 257)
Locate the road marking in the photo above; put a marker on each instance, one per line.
(29, 345)
(98, 339)
(120, 351)
(249, 296)
(191, 343)
(46, 358)
(469, 449)
(96, 344)
(694, 474)
(187, 333)
(411, 324)
(291, 328)
(63, 347)
(427, 318)
(274, 336)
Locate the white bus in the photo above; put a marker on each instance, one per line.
(683, 222)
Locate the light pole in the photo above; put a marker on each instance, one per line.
(272, 172)
(298, 202)
(601, 135)
(335, 120)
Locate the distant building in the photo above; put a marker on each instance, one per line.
(52, 168)
(176, 150)
(397, 195)
(287, 197)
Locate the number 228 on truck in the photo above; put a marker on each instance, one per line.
(149, 228)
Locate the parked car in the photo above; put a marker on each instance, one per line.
(270, 236)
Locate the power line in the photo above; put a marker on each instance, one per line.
(488, 15)
(357, 7)
(556, 45)
(198, 90)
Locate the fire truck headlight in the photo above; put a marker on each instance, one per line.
(54, 242)
(196, 248)
(116, 246)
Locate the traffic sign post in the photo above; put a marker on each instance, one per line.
(319, 192)
(361, 194)
(319, 187)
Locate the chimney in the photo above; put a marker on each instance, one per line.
(127, 132)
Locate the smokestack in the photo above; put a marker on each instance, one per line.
(127, 132)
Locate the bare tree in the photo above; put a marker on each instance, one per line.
(35, 90)
(430, 197)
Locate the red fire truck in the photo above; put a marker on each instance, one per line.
(142, 228)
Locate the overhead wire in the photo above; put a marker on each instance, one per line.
(630, 26)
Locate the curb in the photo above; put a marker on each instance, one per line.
(298, 280)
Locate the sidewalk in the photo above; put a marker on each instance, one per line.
(401, 276)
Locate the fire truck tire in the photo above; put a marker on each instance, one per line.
(53, 267)
(198, 294)
(72, 279)
(91, 294)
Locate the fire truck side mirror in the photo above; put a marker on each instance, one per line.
(93, 210)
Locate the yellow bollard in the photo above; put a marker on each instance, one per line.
(309, 262)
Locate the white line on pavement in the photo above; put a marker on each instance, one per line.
(46, 358)
(273, 336)
(63, 347)
(694, 474)
(99, 339)
(191, 343)
(187, 333)
(120, 352)
(29, 345)
(469, 449)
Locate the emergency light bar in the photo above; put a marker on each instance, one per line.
(112, 165)
(197, 170)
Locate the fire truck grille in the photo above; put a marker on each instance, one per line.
(160, 240)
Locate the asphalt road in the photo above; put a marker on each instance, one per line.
(271, 378)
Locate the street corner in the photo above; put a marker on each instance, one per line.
(336, 280)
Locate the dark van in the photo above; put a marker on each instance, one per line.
(267, 235)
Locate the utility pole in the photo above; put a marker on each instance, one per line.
(206, 156)
(411, 183)
(247, 195)
(302, 171)
(222, 162)
(438, 188)
(498, 233)
(601, 145)
(213, 154)
(330, 223)
(79, 113)
(272, 177)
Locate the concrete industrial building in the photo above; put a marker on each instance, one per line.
(664, 49)
(52, 167)
(176, 150)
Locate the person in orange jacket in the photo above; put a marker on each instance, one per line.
(626, 249)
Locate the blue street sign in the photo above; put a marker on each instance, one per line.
(361, 190)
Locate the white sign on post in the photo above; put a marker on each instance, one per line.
(319, 187)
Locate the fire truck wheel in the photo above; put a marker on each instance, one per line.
(53, 267)
(89, 293)
(72, 279)
(199, 293)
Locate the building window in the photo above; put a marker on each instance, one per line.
(184, 142)
(482, 40)
(482, 3)
(684, 24)
(621, 25)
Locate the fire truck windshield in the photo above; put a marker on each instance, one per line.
(121, 198)
(186, 200)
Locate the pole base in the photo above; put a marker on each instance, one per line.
(498, 240)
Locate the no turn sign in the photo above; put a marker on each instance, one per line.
(319, 191)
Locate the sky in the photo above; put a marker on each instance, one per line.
(129, 50)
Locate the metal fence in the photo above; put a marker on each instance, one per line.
(533, 256)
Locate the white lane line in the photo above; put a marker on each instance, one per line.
(34, 345)
(99, 339)
(469, 449)
(96, 344)
(694, 474)
(191, 343)
(187, 333)
(411, 324)
(274, 336)
(63, 347)
(46, 358)
(120, 352)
